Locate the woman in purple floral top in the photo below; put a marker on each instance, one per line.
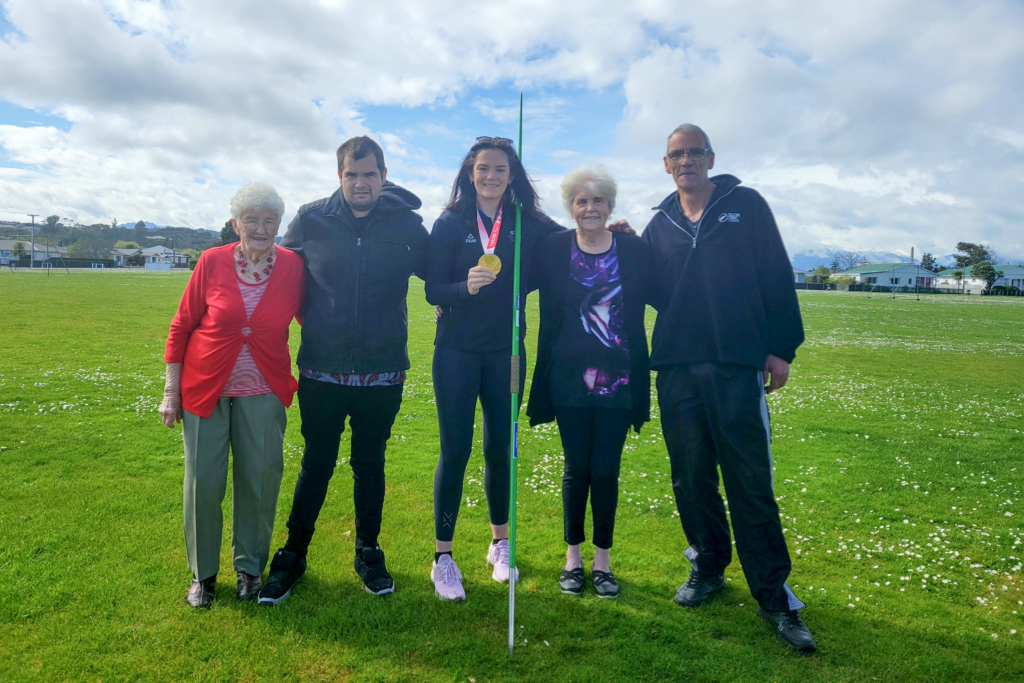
(592, 373)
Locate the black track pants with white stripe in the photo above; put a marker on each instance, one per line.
(715, 416)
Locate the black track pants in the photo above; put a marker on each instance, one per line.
(716, 416)
(324, 407)
(460, 378)
(592, 440)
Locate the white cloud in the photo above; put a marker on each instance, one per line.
(883, 124)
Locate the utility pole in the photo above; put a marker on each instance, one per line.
(32, 256)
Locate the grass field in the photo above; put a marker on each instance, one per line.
(898, 469)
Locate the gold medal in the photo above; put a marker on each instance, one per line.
(491, 262)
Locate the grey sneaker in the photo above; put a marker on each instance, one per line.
(605, 584)
(571, 581)
(200, 593)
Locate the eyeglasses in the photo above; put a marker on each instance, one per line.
(253, 224)
(695, 153)
(501, 142)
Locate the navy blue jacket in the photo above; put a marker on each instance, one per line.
(480, 322)
(355, 319)
(724, 291)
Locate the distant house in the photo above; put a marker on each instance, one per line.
(44, 253)
(1013, 276)
(120, 256)
(163, 258)
(800, 275)
(893, 275)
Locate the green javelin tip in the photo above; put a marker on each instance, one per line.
(514, 446)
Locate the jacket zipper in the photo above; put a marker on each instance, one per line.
(696, 231)
(355, 308)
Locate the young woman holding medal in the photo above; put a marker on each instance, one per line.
(469, 276)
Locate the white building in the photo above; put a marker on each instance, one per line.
(1012, 276)
(44, 253)
(800, 275)
(163, 258)
(894, 275)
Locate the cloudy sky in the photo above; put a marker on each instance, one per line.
(871, 125)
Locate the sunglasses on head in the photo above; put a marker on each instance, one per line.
(501, 142)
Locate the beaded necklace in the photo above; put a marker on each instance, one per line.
(254, 272)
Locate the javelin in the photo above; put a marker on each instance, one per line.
(514, 446)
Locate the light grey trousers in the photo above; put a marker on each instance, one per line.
(253, 427)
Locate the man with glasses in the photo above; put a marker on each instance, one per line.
(360, 246)
(727, 330)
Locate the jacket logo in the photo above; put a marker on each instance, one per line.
(512, 235)
(729, 217)
(471, 239)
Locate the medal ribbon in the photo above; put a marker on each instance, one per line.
(491, 241)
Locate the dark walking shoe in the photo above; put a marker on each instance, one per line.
(248, 586)
(285, 569)
(698, 589)
(200, 593)
(570, 581)
(605, 584)
(790, 629)
(370, 566)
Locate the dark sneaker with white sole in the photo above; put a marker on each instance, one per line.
(605, 584)
(285, 569)
(698, 589)
(370, 566)
(571, 581)
(790, 629)
(200, 593)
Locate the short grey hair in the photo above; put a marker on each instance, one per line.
(592, 178)
(691, 128)
(255, 196)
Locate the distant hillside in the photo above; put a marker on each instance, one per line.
(809, 260)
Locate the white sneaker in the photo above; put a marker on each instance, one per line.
(447, 579)
(497, 554)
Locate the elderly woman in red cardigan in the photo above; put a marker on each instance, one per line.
(229, 382)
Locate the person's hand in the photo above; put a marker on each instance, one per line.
(170, 410)
(778, 369)
(437, 314)
(478, 277)
(621, 225)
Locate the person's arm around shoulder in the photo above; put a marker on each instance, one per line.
(784, 324)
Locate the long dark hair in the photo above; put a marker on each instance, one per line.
(520, 187)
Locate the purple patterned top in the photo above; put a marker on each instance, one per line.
(592, 344)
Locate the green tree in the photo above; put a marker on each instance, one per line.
(928, 261)
(88, 246)
(820, 275)
(19, 250)
(113, 224)
(227, 234)
(835, 267)
(973, 253)
(985, 272)
(124, 244)
(140, 225)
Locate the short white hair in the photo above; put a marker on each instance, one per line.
(691, 128)
(592, 178)
(255, 196)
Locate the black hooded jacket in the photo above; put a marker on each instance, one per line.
(724, 290)
(355, 319)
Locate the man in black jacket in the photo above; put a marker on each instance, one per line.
(728, 324)
(360, 246)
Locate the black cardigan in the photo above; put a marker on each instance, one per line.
(551, 275)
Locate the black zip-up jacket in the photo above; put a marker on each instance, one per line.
(551, 276)
(481, 322)
(355, 319)
(724, 290)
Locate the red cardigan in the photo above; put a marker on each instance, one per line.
(206, 334)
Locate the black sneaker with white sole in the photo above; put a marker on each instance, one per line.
(370, 566)
(285, 569)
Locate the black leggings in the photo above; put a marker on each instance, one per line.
(592, 439)
(460, 377)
